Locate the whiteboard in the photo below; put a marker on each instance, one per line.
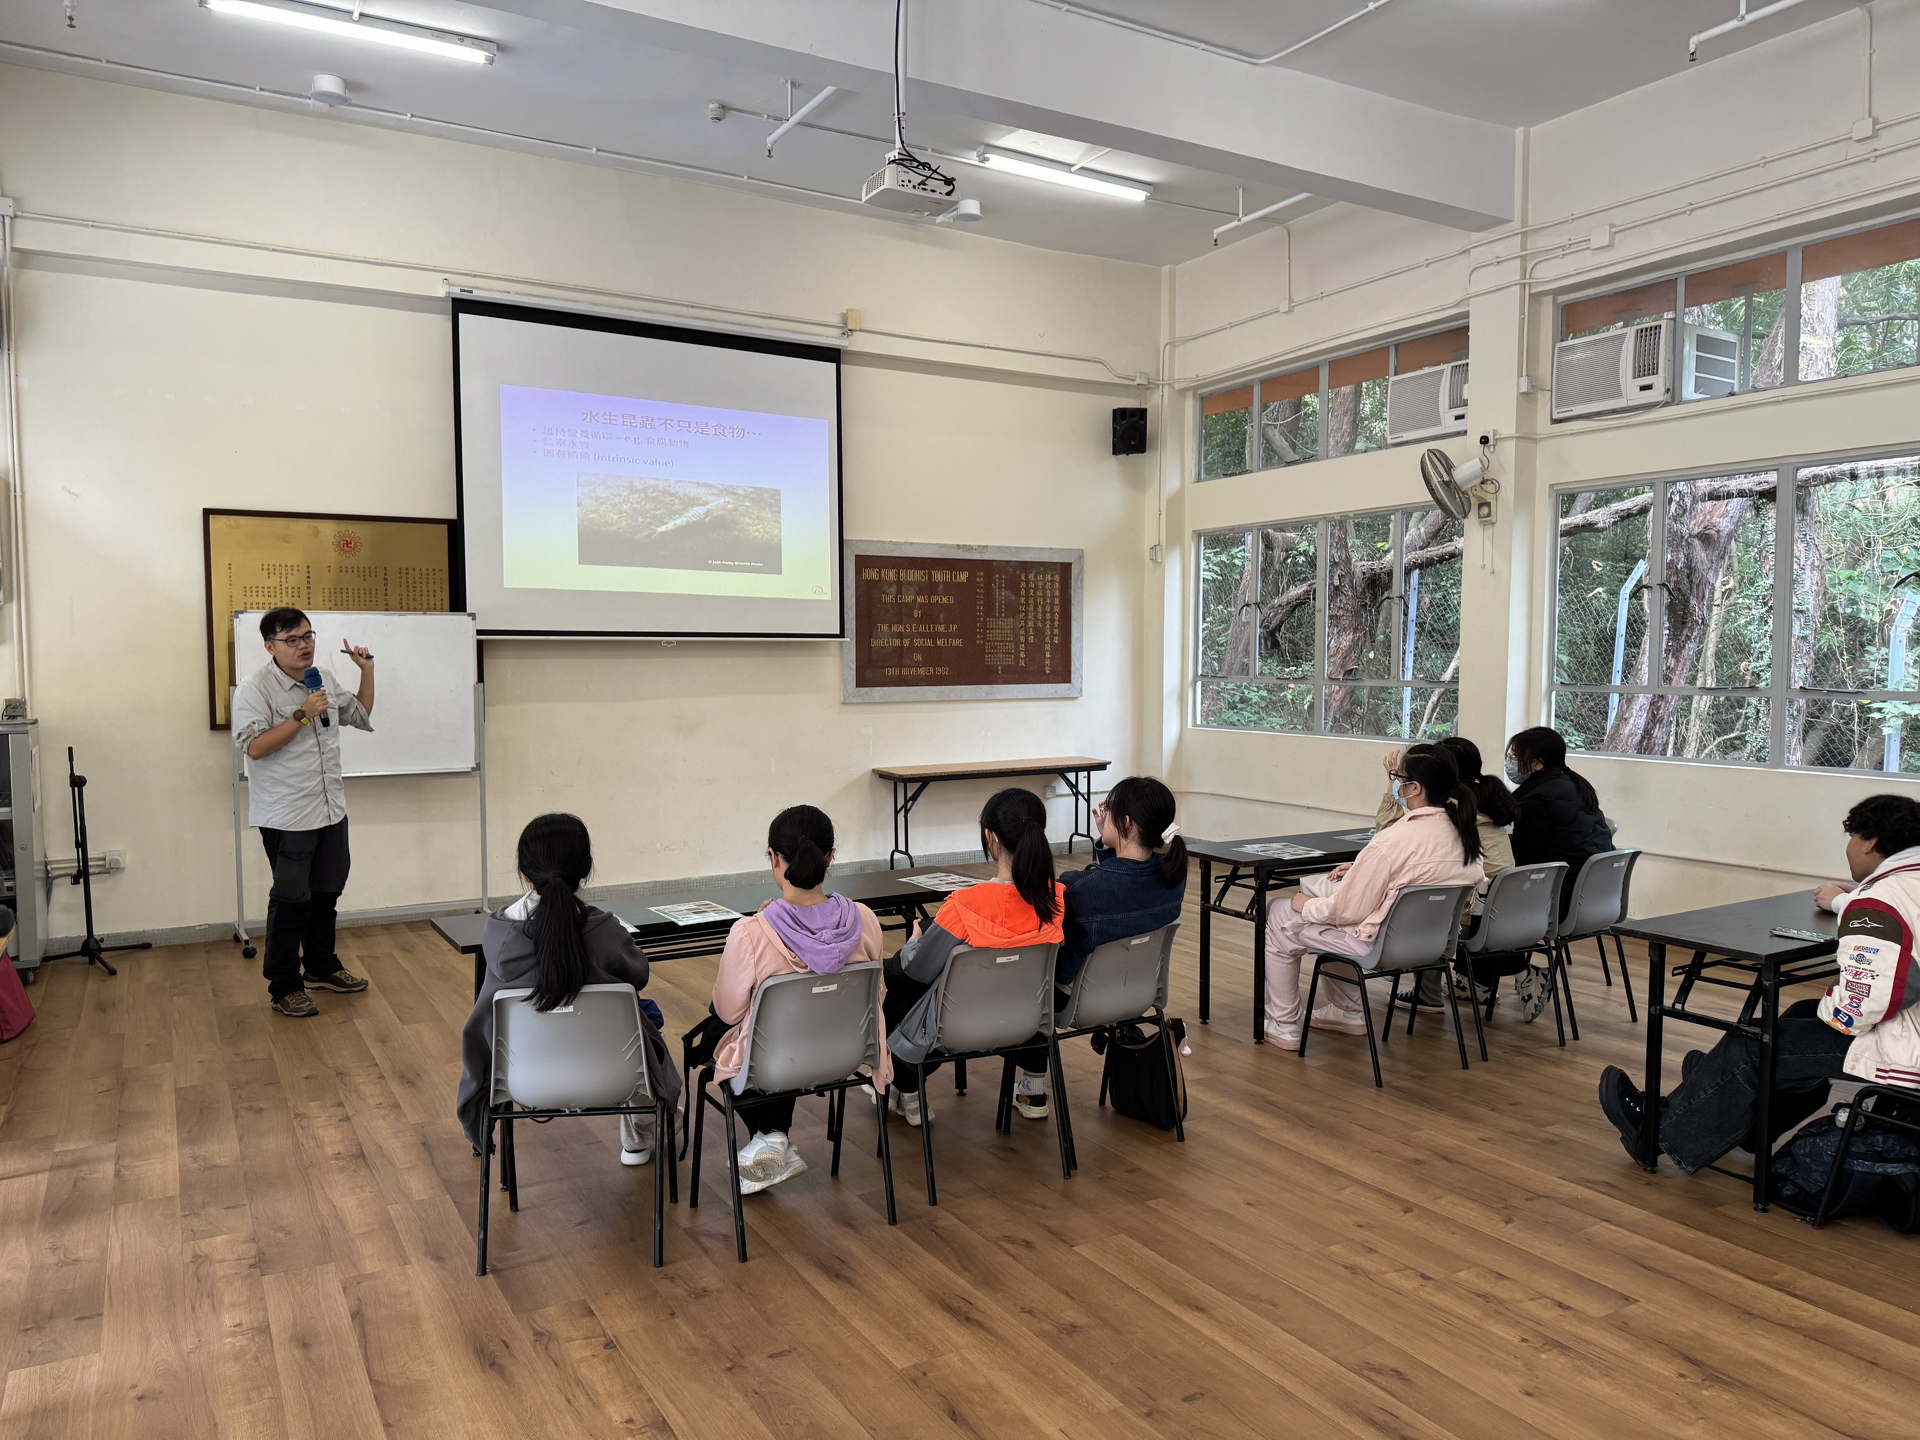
(425, 666)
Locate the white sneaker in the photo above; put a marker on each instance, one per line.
(1030, 1095)
(1286, 1036)
(908, 1104)
(761, 1158)
(790, 1165)
(1479, 994)
(1347, 1022)
(1534, 989)
(636, 1157)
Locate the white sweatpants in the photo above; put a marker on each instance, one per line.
(1289, 937)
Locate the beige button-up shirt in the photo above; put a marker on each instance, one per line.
(299, 786)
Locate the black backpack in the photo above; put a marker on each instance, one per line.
(1137, 1080)
(1882, 1174)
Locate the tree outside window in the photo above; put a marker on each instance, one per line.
(1676, 634)
(1348, 625)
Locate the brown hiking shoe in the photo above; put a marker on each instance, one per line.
(298, 1006)
(345, 982)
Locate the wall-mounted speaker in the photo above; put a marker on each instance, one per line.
(1129, 430)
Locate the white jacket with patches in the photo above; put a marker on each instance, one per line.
(1874, 998)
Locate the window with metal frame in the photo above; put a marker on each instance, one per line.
(1825, 310)
(1335, 407)
(1678, 635)
(1346, 625)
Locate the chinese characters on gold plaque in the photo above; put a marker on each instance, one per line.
(925, 623)
(317, 562)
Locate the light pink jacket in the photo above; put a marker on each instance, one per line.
(754, 953)
(1422, 849)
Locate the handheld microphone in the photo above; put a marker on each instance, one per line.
(313, 682)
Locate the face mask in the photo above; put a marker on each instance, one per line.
(1514, 776)
(1396, 794)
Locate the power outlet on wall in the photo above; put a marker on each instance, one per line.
(110, 862)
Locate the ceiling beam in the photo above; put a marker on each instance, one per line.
(1012, 63)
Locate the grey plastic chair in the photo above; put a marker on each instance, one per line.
(1521, 913)
(586, 1058)
(1421, 932)
(807, 1034)
(1120, 982)
(1600, 894)
(989, 1002)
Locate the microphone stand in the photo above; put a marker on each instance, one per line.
(83, 877)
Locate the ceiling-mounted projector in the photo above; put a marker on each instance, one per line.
(904, 182)
(910, 185)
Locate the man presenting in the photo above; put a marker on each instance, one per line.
(298, 801)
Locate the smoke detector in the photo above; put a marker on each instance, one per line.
(327, 90)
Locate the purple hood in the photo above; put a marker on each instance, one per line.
(823, 935)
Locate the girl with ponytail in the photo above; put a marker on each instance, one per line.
(1436, 843)
(803, 929)
(1135, 885)
(1021, 905)
(553, 943)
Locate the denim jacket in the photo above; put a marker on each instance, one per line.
(1111, 900)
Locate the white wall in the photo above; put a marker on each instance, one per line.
(1713, 832)
(160, 376)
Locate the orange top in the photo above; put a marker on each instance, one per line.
(993, 913)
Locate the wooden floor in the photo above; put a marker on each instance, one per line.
(214, 1221)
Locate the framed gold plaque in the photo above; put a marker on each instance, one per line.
(259, 559)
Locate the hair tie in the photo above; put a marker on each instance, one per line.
(1171, 830)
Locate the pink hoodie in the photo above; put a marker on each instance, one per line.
(754, 953)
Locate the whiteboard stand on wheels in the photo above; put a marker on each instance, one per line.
(428, 668)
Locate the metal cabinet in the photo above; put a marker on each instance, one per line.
(20, 869)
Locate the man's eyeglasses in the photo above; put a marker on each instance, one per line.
(306, 637)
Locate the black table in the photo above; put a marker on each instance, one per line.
(890, 894)
(1259, 874)
(1740, 936)
(910, 782)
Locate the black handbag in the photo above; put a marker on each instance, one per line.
(1144, 1078)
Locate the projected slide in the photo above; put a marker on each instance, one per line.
(681, 498)
(624, 479)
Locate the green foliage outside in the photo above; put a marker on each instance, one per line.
(1854, 604)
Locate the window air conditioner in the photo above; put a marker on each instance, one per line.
(1620, 370)
(1709, 363)
(1425, 403)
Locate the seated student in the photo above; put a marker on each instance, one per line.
(805, 929)
(1866, 1027)
(1021, 905)
(1128, 890)
(1495, 804)
(1437, 843)
(1556, 812)
(1557, 817)
(550, 941)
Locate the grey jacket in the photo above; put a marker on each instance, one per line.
(613, 959)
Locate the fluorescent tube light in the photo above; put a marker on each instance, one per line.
(329, 21)
(1036, 169)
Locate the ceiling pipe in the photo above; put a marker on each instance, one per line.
(1243, 57)
(1745, 17)
(1261, 214)
(797, 116)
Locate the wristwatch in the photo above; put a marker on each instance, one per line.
(303, 717)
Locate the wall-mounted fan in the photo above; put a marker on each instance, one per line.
(1465, 488)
